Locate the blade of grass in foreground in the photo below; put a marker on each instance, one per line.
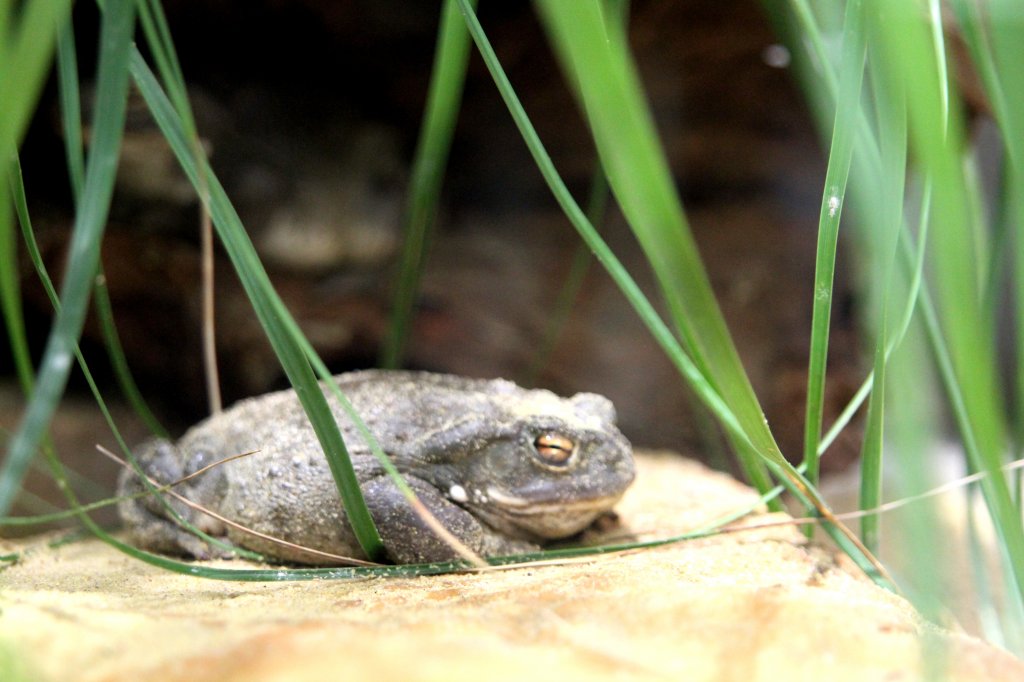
(70, 106)
(10, 295)
(804, 492)
(25, 53)
(14, 663)
(914, 267)
(594, 49)
(938, 143)
(112, 88)
(661, 333)
(836, 176)
(176, 127)
(265, 302)
(446, 81)
(71, 119)
(911, 418)
(26, 49)
(882, 229)
(61, 475)
(1007, 19)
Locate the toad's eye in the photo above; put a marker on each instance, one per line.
(554, 449)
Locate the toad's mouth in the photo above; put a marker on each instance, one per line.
(513, 505)
(549, 519)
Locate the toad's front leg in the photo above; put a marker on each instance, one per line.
(408, 540)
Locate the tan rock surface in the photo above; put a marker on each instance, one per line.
(756, 605)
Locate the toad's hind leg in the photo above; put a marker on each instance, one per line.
(148, 522)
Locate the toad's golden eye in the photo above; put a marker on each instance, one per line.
(553, 448)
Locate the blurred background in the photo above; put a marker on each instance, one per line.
(310, 109)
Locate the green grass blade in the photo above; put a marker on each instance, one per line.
(836, 176)
(160, 43)
(158, 38)
(871, 449)
(15, 665)
(58, 472)
(915, 267)
(977, 555)
(661, 333)
(1018, 281)
(443, 99)
(882, 229)
(112, 88)
(71, 119)
(25, 54)
(1002, 69)
(265, 302)
(938, 143)
(593, 47)
(912, 420)
(10, 295)
(5, 16)
(792, 478)
(1008, 54)
(70, 107)
(604, 255)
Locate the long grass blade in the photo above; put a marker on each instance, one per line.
(1008, 54)
(70, 107)
(604, 255)
(594, 51)
(792, 478)
(25, 54)
(265, 302)
(71, 124)
(10, 296)
(112, 87)
(938, 144)
(60, 474)
(836, 176)
(882, 229)
(158, 38)
(915, 266)
(443, 98)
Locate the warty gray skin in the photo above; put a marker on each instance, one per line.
(503, 468)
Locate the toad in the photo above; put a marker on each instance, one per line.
(503, 468)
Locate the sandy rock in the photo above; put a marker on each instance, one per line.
(752, 605)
